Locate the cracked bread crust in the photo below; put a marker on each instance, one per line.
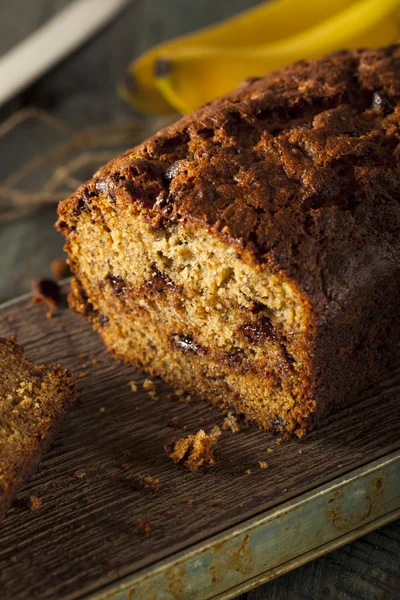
(298, 172)
(299, 168)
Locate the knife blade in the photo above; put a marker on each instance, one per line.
(54, 40)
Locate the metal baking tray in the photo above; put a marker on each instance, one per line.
(214, 534)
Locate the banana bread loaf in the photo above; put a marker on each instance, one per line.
(251, 251)
(33, 399)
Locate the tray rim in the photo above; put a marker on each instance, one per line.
(125, 587)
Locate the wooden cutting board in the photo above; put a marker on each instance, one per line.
(85, 539)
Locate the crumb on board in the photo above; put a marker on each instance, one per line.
(102, 409)
(174, 422)
(81, 356)
(143, 526)
(216, 503)
(12, 559)
(34, 503)
(300, 451)
(82, 374)
(230, 423)
(152, 394)
(149, 385)
(149, 483)
(194, 451)
(278, 441)
(79, 474)
(180, 395)
(95, 361)
(59, 268)
(133, 386)
(126, 452)
(49, 314)
(247, 472)
(269, 450)
(125, 466)
(11, 317)
(263, 464)
(47, 292)
(190, 501)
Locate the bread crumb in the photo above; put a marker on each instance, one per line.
(126, 452)
(11, 317)
(248, 472)
(133, 386)
(125, 466)
(12, 559)
(95, 361)
(49, 314)
(143, 527)
(230, 422)
(215, 433)
(263, 464)
(174, 422)
(149, 483)
(102, 409)
(34, 503)
(216, 503)
(278, 441)
(81, 356)
(46, 292)
(152, 394)
(269, 450)
(60, 269)
(194, 451)
(190, 501)
(149, 385)
(79, 474)
(300, 451)
(82, 374)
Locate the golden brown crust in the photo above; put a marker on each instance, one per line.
(299, 167)
(33, 401)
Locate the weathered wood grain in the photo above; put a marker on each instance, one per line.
(85, 535)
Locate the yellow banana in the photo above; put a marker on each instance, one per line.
(266, 23)
(190, 76)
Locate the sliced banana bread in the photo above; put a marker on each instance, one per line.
(33, 399)
(250, 252)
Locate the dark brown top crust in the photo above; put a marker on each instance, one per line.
(300, 167)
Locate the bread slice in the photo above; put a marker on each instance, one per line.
(250, 253)
(33, 399)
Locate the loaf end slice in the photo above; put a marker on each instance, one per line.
(33, 399)
(241, 253)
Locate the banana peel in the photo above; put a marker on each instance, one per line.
(189, 76)
(268, 22)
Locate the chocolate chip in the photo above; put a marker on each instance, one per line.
(159, 281)
(173, 170)
(260, 330)
(381, 102)
(276, 422)
(118, 284)
(187, 344)
(103, 320)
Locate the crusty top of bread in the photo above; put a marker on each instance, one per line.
(300, 169)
